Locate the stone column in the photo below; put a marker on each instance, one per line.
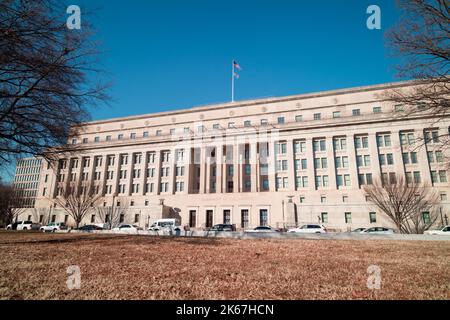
(225, 171)
(254, 170)
(202, 168)
(290, 156)
(236, 164)
(208, 174)
(188, 169)
(219, 168)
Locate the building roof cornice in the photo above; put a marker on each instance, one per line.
(252, 102)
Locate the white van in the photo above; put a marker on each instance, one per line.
(164, 224)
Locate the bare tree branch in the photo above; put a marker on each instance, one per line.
(77, 201)
(421, 40)
(45, 83)
(405, 203)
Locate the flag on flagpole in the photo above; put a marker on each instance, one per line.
(234, 75)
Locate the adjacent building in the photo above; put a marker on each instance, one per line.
(279, 161)
(26, 181)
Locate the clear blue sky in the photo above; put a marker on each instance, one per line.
(171, 54)
(164, 55)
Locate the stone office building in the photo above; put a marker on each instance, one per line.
(277, 161)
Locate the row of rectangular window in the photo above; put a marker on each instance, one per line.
(137, 159)
(347, 217)
(361, 142)
(216, 126)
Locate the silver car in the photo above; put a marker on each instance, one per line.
(377, 230)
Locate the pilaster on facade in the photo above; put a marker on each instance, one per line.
(422, 159)
(226, 163)
(189, 168)
(158, 165)
(310, 163)
(129, 169)
(143, 178)
(103, 174)
(254, 168)
(374, 155)
(172, 173)
(271, 165)
(331, 162)
(78, 175)
(91, 183)
(116, 174)
(208, 173)
(353, 168)
(397, 153)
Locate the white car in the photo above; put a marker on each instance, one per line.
(54, 226)
(23, 225)
(309, 228)
(126, 227)
(440, 231)
(358, 230)
(377, 230)
(165, 224)
(264, 229)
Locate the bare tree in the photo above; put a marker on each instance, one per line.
(44, 78)
(77, 202)
(421, 40)
(10, 204)
(111, 215)
(405, 203)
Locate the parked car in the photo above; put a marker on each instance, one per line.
(262, 229)
(377, 230)
(165, 224)
(126, 227)
(23, 225)
(358, 230)
(223, 227)
(309, 228)
(53, 226)
(90, 227)
(445, 230)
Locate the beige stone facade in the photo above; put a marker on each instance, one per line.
(278, 161)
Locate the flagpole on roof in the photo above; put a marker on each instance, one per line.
(232, 80)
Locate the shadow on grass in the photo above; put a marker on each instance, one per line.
(50, 238)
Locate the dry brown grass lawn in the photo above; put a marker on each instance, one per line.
(33, 266)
